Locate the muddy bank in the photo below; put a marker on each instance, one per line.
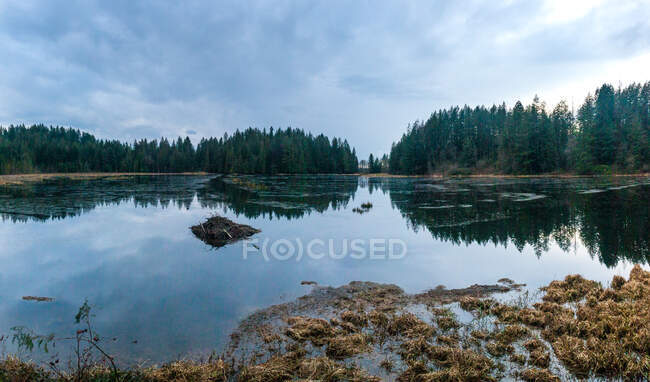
(362, 331)
(218, 231)
(365, 331)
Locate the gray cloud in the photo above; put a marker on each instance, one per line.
(363, 69)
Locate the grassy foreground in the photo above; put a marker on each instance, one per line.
(576, 329)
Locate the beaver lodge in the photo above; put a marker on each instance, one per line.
(218, 231)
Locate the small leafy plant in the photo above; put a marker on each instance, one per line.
(87, 349)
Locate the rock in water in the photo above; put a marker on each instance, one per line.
(219, 231)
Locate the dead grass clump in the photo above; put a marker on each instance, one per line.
(518, 358)
(534, 344)
(348, 327)
(356, 319)
(538, 375)
(499, 349)
(277, 369)
(289, 367)
(379, 319)
(189, 371)
(268, 336)
(617, 282)
(326, 370)
(539, 358)
(316, 330)
(631, 290)
(448, 340)
(414, 372)
(345, 346)
(479, 334)
(14, 370)
(505, 313)
(460, 365)
(453, 364)
(415, 349)
(601, 357)
(385, 298)
(410, 326)
(573, 288)
(321, 368)
(638, 274)
(447, 322)
(512, 333)
(533, 317)
(550, 307)
(472, 304)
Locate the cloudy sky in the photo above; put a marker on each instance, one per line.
(359, 69)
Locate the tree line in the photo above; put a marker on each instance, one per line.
(609, 133)
(39, 148)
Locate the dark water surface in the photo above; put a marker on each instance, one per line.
(124, 244)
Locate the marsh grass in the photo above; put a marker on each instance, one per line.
(578, 329)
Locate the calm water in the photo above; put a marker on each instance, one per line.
(124, 244)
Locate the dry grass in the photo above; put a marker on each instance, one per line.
(538, 375)
(409, 326)
(579, 327)
(14, 370)
(345, 346)
(31, 178)
(512, 333)
(356, 319)
(189, 371)
(316, 330)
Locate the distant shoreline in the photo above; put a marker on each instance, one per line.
(15, 179)
(30, 178)
(491, 175)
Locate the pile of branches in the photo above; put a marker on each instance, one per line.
(218, 231)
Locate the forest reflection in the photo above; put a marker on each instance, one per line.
(610, 216)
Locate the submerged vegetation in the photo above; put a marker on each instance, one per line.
(371, 332)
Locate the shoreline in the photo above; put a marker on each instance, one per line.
(502, 176)
(364, 331)
(18, 179)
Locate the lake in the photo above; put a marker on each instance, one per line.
(124, 244)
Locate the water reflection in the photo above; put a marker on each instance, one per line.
(609, 215)
(268, 197)
(61, 198)
(124, 244)
(288, 197)
(613, 223)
